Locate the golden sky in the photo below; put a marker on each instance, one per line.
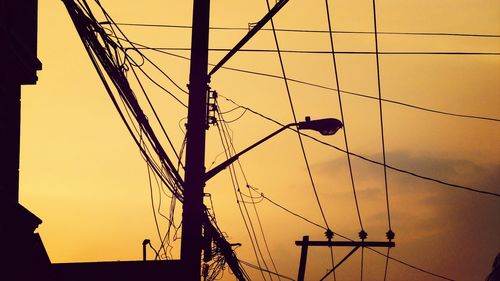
(83, 175)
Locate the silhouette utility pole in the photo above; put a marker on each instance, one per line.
(192, 213)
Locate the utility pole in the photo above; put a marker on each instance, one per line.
(192, 212)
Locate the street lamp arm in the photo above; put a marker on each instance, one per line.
(328, 126)
(229, 161)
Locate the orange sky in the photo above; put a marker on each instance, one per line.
(83, 175)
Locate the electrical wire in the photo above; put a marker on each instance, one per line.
(316, 85)
(295, 118)
(114, 25)
(252, 198)
(306, 161)
(88, 45)
(148, 157)
(266, 270)
(390, 233)
(154, 213)
(157, 117)
(227, 151)
(364, 158)
(337, 82)
(322, 52)
(410, 265)
(227, 143)
(320, 31)
(379, 89)
(349, 239)
(103, 53)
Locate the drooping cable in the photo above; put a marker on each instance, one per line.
(228, 153)
(103, 55)
(324, 52)
(249, 188)
(390, 233)
(319, 31)
(91, 44)
(268, 271)
(364, 158)
(410, 265)
(337, 82)
(113, 24)
(156, 116)
(261, 227)
(295, 119)
(225, 138)
(349, 239)
(154, 213)
(468, 116)
(285, 80)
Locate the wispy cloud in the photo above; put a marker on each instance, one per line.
(456, 230)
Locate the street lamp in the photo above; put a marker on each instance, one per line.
(326, 127)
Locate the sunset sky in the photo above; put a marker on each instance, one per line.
(83, 175)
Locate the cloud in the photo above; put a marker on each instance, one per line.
(452, 231)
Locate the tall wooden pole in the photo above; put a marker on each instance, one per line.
(192, 214)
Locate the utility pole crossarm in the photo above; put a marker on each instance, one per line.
(371, 244)
(305, 243)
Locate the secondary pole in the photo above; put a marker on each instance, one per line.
(192, 213)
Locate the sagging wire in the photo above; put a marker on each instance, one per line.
(113, 25)
(154, 212)
(366, 159)
(302, 82)
(224, 135)
(113, 65)
(89, 32)
(328, 233)
(335, 70)
(390, 234)
(102, 53)
(254, 200)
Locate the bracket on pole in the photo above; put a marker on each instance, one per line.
(305, 243)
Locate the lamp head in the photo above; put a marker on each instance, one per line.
(326, 127)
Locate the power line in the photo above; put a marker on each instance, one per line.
(390, 233)
(318, 31)
(154, 211)
(335, 69)
(379, 90)
(266, 270)
(484, 118)
(224, 136)
(349, 239)
(295, 119)
(328, 232)
(410, 265)
(371, 160)
(323, 52)
(225, 124)
(293, 213)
